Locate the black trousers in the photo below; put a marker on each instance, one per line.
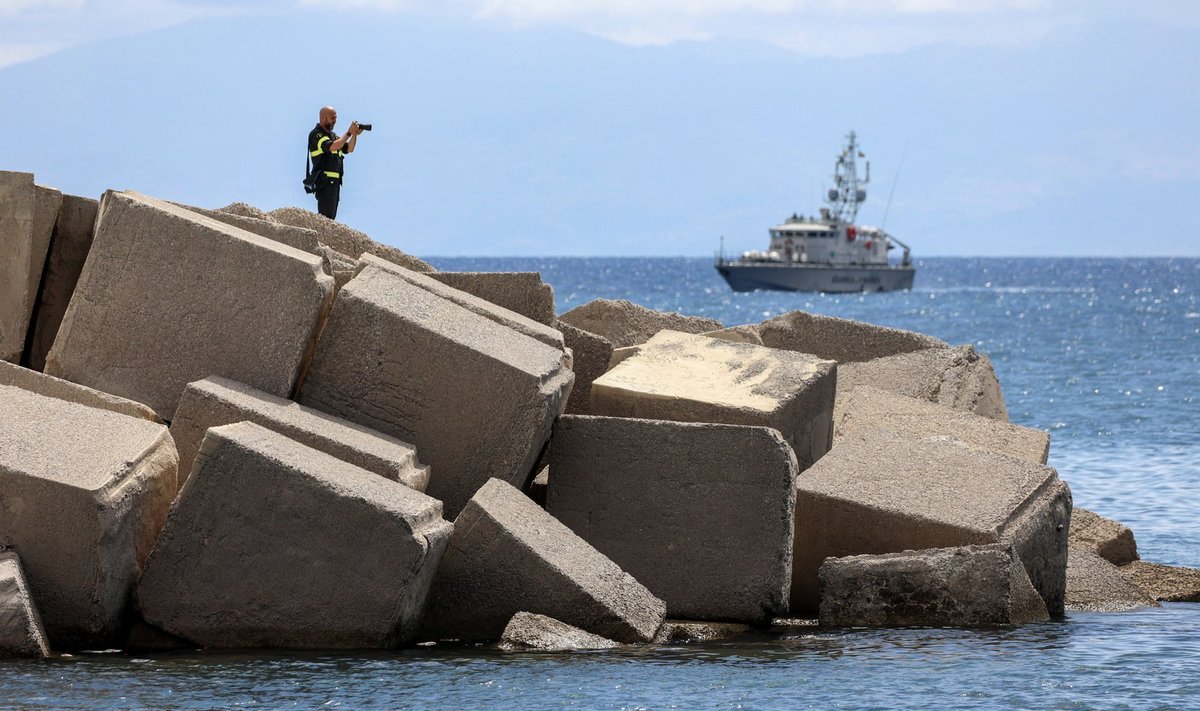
(327, 199)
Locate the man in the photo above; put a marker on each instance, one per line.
(328, 151)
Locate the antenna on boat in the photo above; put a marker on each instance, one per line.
(892, 192)
(847, 193)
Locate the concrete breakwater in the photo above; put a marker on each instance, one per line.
(739, 464)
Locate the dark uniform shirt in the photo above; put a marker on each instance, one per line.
(329, 166)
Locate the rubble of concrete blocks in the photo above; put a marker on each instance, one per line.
(590, 356)
(341, 238)
(1112, 541)
(625, 323)
(21, 631)
(843, 340)
(1165, 583)
(521, 292)
(529, 632)
(69, 246)
(1095, 585)
(28, 212)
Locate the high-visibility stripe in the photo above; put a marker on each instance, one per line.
(321, 142)
(332, 174)
(314, 154)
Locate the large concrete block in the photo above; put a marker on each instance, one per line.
(82, 503)
(590, 357)
(1095, 585)
(521, 292)
(963, 587)
(27, 215)
(701, 514)
(346, 239)
(217, 401)
(1112, 541)
(625, 323)
(527, 632)
(692, 378)
(301, 238)
(21, 631)
(883, 492)
(274, 544)
(955, 377)
(50, 386)
(1169, 583)
(507, 555)
(69, 246)
(476, 398)
(168, 297)
(840, 339)
(868, 407)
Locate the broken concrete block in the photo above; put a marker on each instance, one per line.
(883, 492)
(168, 297)
(701, 514)
(341, 267)
(869, 407)
(955, 377)
(688, 632)
(49, 386)
(691, 378)
(301, 238)
(1111, 540)
(274, 544)
(1095, 585)
(21, 631)
(591, 354)
(521, 292)
(82, 503)
(508, 556)
(739, 334)
(477, 399)
(27, 216)
(962, 587)
(841, 339)
(69, 246)
(346, 240)
(625, 323)
(217, 401)
(527, 632)
(1169, 583)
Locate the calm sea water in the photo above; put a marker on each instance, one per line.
(1104, 353)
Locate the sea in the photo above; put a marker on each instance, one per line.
(1103, 353)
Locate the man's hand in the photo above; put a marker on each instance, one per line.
(354, 129)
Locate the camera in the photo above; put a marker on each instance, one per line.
(365, 126)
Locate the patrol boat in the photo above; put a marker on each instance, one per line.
(827, 253)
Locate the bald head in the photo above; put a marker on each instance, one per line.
(327, 117)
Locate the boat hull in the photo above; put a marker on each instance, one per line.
(748, 276)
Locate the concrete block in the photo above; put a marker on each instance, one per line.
(82, 503)
(50, 386)
(882, 492)
(507, 555)
(690, 632)
(341, 267)
(69, 246)
(841, 339)
(1095, 585)
(625, 323)
(274, 544)
(961, 587)
(217, 401)
(691, 378)
(954, 377)
(477, 399)
(301, 238)
(27, 215)
(527, 632)
(701, 514)
(868, 407)
(590, 356)
(168, 297)
(739, 334)
(1169, 583)
(346, 239)
(1111, 540)
(21, 631)
(521, 292)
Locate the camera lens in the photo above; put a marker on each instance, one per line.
(365, 126)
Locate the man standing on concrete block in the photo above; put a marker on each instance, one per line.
(327, 151)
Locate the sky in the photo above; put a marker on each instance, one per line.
(515, 127)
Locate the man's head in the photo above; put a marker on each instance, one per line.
(327, 118)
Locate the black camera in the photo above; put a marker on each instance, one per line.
(365, 126)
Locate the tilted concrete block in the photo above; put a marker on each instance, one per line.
(868, 407)
(701, 514)
(69, 248)
(840, 339)
(27, 215)
(50, 386)
(527, 632)
(476, 398)
(691, 378)
(217, 401)
(168, 297)
(299, 237)
(274, 544)
(507, 555)
(1112, 541)
(883, 492)
(521, 292)
(345, 239)
(625, 323)
(1169, 583)
(590, 356)
(82, 503)
(1095, 585)
(954, 377)
(21, 631)
(964, 586)
(341, 267)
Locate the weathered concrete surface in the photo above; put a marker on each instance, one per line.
(340, 266)
(346, 240)
(69, 246)
(82, 503)
(246, 210)
(962, 587)
(49, 386)
(883, 492)
(521, 292)
(691, 378)
(27, 216)
(21, 631)
(477, 399)
(625, 323)
(1169, 583)
(688, 632)
(301, 238)
(869, 407)
(274, 544)
(217, 401)
(168, 297)
(701, 514)
(527, 632)
(740, 334)
(1095, 585)
(1112, 541)
(508, 556)
(840, 339)
(590, 354)
(538, 487)
(955, 377)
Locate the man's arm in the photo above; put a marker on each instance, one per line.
(351, 135)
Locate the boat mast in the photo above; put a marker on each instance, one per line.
(847, 193)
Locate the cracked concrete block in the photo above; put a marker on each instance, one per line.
(274, 544)
(625, 323)
(27, 216)
(21, 631)
(527, 632)
(69, 246)
(840, 339)
(590, 357)
(1111, 540)
(521, 292)
(1095, 585)
(50, 386)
